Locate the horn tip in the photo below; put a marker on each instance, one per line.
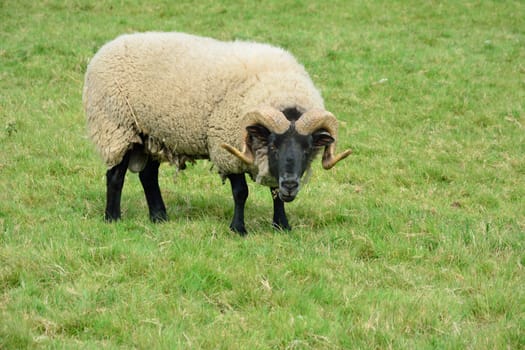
(329, 163)
(346, 153)
(248, 159)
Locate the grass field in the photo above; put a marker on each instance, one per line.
(417, 241)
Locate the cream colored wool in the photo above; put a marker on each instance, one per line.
(185, 95)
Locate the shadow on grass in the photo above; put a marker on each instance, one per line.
(216, 206)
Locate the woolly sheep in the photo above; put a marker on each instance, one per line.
(156, 97)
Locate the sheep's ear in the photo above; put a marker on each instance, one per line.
(322, 138)
(258, 132)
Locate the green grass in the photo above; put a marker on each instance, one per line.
(416, 241)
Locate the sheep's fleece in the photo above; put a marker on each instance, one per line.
(182, 96)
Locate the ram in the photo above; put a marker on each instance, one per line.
(173, 97)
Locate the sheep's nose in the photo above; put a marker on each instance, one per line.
(288, 188)
(290, 185)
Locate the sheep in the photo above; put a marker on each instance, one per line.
(174, 97)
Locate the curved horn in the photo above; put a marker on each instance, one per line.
(316, 119)
(269, 117)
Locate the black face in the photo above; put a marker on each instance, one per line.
(289, 155)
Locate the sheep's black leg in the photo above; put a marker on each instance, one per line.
(149, 177)
(280, 221)
(240, 194)
(114, 183)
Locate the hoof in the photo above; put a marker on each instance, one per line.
(111, 218)
(281, 227)
(158, 217)
(240, 229)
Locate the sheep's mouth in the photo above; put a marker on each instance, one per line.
(287, 196)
